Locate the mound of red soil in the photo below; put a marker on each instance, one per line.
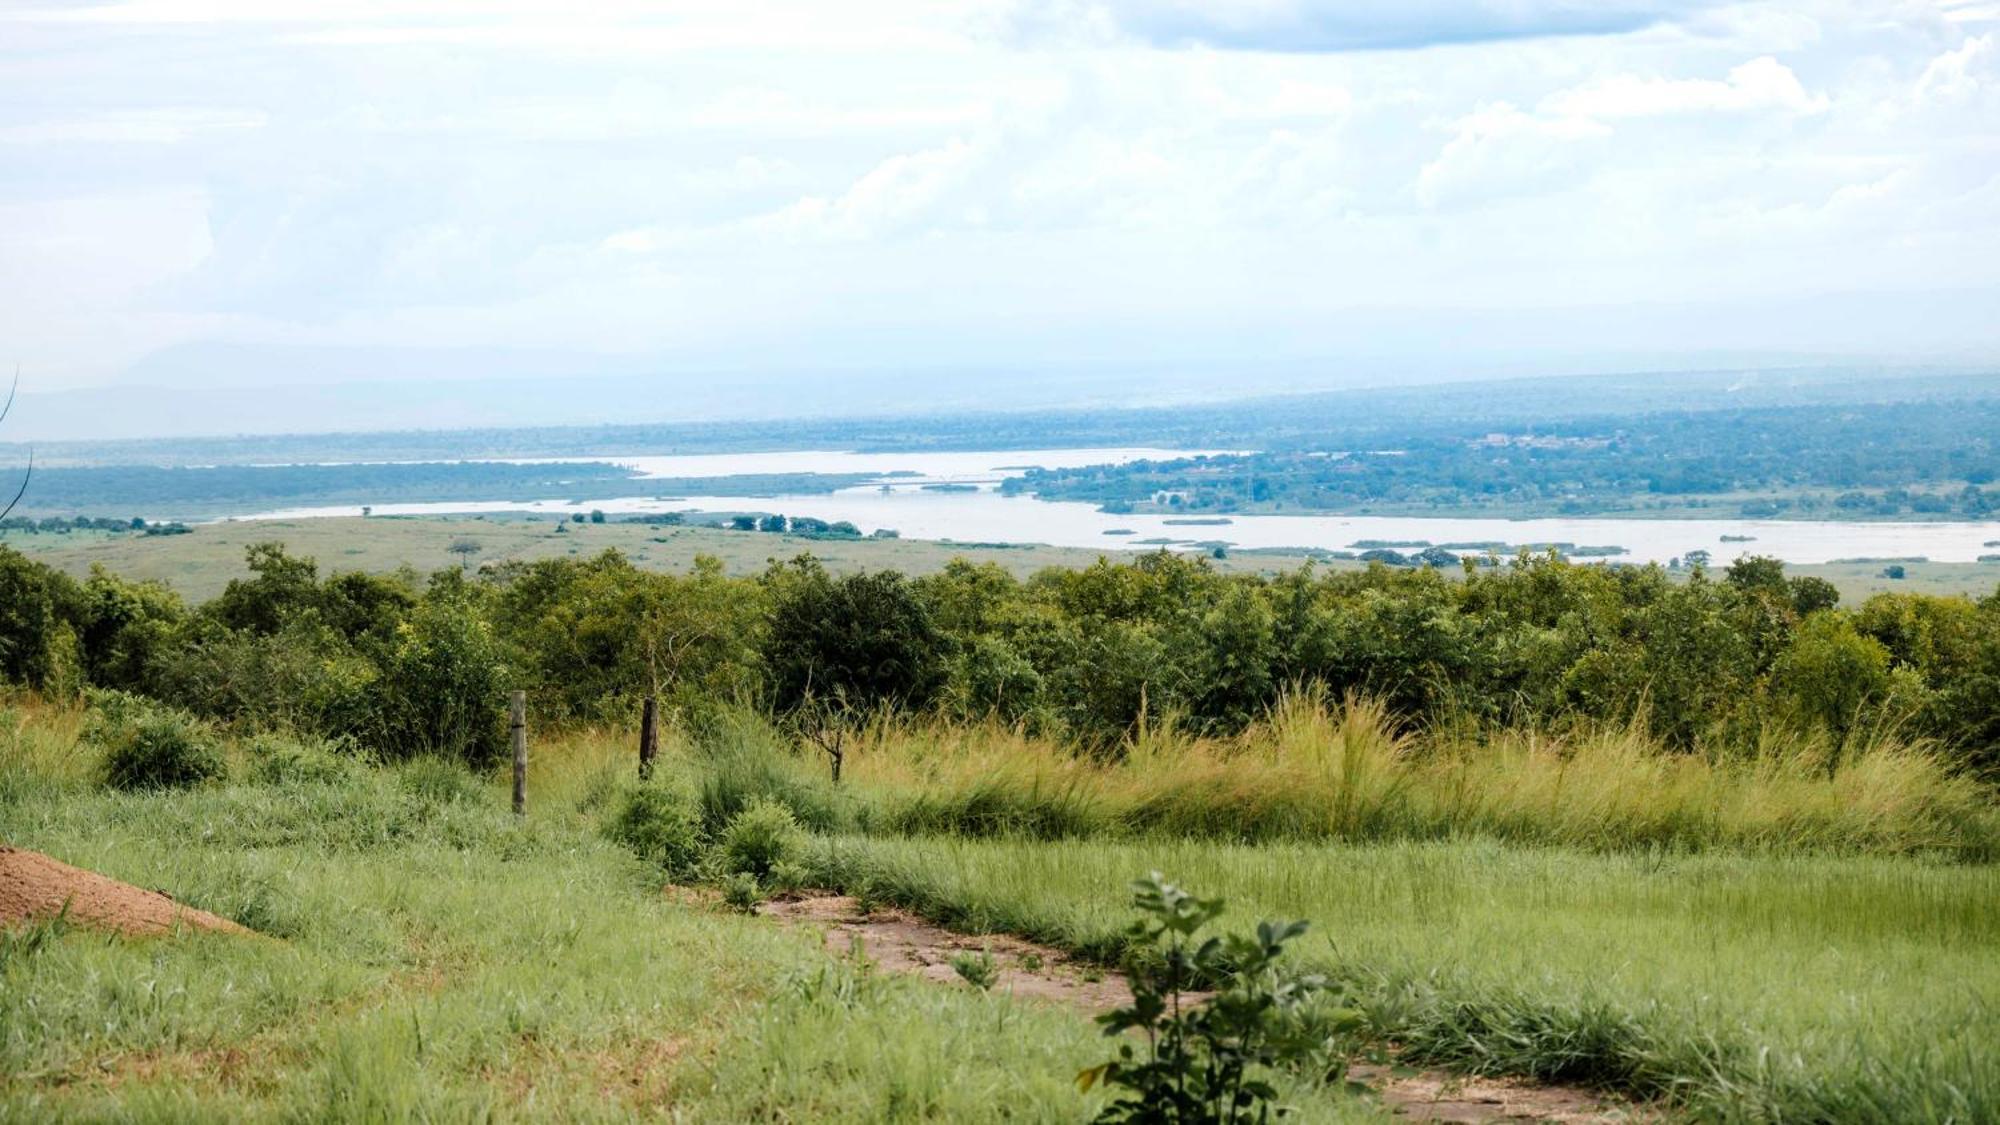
(33, 886)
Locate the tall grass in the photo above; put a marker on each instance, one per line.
(1346, 770)
(1759, 988)
(427, 956)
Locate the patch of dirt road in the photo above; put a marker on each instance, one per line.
(901, 942)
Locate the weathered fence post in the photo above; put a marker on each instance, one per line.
(649, 737)
(517, 709)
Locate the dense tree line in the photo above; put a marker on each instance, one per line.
(1831, 462)
(410, 665)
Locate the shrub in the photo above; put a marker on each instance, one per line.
(742, 891)
(789, 878)
(760, 837)
(976, 969)
(1203, 1062)
(660, 824)
(442, 691)
(152, 747)
(280, 760)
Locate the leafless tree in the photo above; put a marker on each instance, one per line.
(824, 721)
(30, 473)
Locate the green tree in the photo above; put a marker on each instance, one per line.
(1830, 674)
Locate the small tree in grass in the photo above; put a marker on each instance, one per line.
(1204, 1060)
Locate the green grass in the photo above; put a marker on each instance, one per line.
(1742, 988)
(430, 958)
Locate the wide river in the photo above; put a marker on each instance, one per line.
(899, 501)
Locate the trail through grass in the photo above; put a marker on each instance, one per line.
(1742, 987)
(429, 958)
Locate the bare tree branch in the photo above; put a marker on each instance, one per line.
(23, 490)
(30, 474)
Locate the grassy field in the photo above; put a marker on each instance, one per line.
(430, 958)
(1774, 989)
(1737, 971)
(201, 563)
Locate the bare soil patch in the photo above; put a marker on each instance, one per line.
(34, 887)
(901, 942)
(905, 943)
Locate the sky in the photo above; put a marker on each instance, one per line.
(249, 194)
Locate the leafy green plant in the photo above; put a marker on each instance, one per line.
(760, 837)
(788, 877)
(742, 891)
(151, 747)
(867, 897)
(280, 760)
(976, 969)
(661, 824)
(1205, 1059)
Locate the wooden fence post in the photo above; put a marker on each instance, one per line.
(517, 709)
(649, 737)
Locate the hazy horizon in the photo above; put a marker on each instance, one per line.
(198, 197)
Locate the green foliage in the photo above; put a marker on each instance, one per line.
(790, 877)
(742, 891)
(1102, 658)
(36, 604)
(147, 746)
(1206, 1058)
(442, 689)
(1830, 674)
(866, 640)
(759, 838)
(976, 969)
(278, 759)
(661, 824)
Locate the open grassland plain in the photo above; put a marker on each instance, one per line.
(422, 955)
(201, 563)
(1757, 942)
(1811, 950)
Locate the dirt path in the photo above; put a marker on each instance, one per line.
(902, 942)
(34, 887)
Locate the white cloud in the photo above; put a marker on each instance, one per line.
(1760, 84)
(1105, 176)
(1960, 73)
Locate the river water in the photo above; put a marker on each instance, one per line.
(984, 515)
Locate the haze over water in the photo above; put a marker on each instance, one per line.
(899, 501)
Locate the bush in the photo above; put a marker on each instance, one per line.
(282, 760)
(438, 782)
(151, 747)
(742, 891)
(761, 837)
(789, 878)
(976, 969)
(442, 691)
(1204, 1063)
(662, 825)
